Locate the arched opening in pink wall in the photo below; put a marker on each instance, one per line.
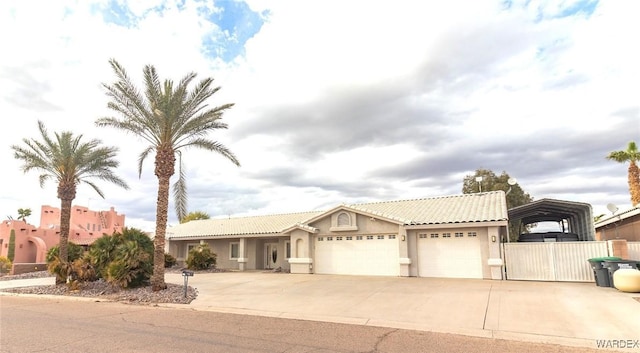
(37, 250)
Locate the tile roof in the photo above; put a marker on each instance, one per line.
(478, 207)
(255, 225)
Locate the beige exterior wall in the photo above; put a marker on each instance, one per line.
(489, 249)
(301, 252)
(254, 252)
(366, 226)
(302, 243)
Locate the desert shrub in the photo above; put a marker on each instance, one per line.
(124, 259)
(74, 252)
(76, 272)
(169, 260)
(61, 269)
(5, 265)
(132, 266)
(102, 252)
(82, 270)
(105, 249)
(201, 258)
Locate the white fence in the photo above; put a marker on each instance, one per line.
(563, 261)
(634, 250)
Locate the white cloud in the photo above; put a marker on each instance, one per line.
(345, 101)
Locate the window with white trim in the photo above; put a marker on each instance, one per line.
(380, 236)
(320, 238)
(422, 236)
(287, 249)
(234, 251)
(392, 236)
(446, 235)
(369, 237)
(344, 219)
(349, 238)
(338, 238)
(458, 234)
(358, 237)
(433, 235)
(329, 238)
(472, 234)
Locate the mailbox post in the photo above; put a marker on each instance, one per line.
(186, 274)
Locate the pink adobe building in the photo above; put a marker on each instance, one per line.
(33, 243)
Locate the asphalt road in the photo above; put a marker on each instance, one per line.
(29, 324)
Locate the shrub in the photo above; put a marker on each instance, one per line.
(74, 252)
(5, 265)
(59, 268)
(132, 266)
(105, 249)
(82, 270)
(63, 269)
(169, 260)
(124, 259)
(201, 258)
(102, 252)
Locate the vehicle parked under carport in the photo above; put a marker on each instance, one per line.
(574, 221)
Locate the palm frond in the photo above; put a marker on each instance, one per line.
(180, 190)
(142, 157)
(213, 146)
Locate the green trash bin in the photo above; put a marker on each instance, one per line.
(601, 273)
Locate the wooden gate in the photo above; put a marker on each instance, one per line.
(562, 261)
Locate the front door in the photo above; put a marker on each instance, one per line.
(270, 255)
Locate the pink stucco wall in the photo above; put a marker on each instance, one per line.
(32, 243)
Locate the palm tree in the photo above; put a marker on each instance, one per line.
(170, 118)
(195, 216)
(23, 213)
(631, 155)
(69, 161)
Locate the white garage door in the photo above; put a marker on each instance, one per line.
(373, 255)
(449, 254)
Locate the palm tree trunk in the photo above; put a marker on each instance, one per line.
(65, 220)
(634, 183)
(162, 210)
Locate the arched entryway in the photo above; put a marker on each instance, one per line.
(36, 249)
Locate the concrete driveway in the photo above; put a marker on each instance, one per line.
(576, 314)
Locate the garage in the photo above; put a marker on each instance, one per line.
(372, 255)
(452, 254)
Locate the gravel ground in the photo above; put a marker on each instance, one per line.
(103, 290)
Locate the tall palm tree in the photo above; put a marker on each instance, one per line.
(631, 155)
(170, 118)
(69, 161)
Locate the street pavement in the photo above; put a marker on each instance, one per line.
(572, 314)
(36, 324)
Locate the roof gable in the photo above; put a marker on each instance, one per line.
(355, 209)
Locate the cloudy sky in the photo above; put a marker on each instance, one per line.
(336, 101)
